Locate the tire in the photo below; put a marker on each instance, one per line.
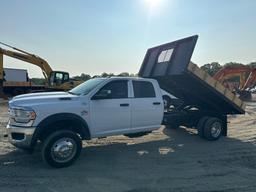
(167, 101)
(200, 126)
(212, 129)
(68, 141)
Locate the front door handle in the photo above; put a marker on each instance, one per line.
(156, 103)
(124, 104)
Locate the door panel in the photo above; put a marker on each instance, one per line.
(147, 109)
(109, 116)
(113, 114)
(145, 113)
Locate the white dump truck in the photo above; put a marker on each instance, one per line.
(130, 106)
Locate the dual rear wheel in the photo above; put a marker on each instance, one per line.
(210, 128)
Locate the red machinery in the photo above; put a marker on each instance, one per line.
(240, 79)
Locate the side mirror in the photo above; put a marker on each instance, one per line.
(102, 94)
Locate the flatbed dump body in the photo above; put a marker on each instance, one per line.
(170, 64)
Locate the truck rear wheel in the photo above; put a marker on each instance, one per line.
(200, 126)
(61, 148)
(212, 128)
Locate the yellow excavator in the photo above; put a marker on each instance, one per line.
(55, 80)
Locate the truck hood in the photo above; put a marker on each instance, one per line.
(29, 95)
(40, 98)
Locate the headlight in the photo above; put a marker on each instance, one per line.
(22, 115)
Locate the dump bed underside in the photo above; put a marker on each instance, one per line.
(170, 65)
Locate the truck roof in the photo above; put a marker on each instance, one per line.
(130, 78)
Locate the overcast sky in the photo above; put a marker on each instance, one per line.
(95, 36)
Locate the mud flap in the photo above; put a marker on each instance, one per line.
(225, 125)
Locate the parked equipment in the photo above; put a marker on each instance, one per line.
(239, 79)
(55, 80)
(16, 81)
(18, 75)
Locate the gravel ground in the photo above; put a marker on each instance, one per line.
(166, 160)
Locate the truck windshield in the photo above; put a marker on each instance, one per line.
(86, 87)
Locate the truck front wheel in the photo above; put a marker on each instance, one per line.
(61, 148)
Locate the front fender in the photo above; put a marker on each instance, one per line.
(50, 120)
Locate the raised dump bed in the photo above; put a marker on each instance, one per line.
(170, 64)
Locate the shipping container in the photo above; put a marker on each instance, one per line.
(15, 75)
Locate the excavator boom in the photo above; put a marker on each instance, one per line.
(27, 57)
(55, 80)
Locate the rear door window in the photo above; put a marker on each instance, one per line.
(143, 89)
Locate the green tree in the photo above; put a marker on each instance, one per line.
(82, 77)
(211, 68)
(252, 64)
(133, 75)
(124, 74)
(107, 74)
(38, 81)
(233, 64)
(85, 77)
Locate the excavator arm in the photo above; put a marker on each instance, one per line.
(251, 80)
(230, 72)
(56, 80)
(27, 57)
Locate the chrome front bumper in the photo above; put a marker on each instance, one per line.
(20, 136)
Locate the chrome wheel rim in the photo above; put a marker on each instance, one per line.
(216, 129)
(63, 150)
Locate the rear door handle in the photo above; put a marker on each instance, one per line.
(156, 103)
(124, 104)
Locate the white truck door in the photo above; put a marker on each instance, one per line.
(111, 108)
(147, 106)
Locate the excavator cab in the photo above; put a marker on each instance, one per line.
(58, 78)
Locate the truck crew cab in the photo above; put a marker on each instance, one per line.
(99, 107)
(128, 106)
